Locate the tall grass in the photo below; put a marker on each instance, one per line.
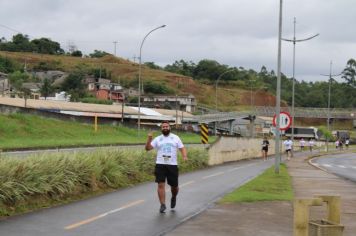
(57, 177)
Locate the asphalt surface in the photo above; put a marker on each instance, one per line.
(134, 211)
(343, 165)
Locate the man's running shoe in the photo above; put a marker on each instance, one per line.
(173, 202)
(162, 208)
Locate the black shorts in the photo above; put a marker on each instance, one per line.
(288, 150)
(169, 172)
(265, 149)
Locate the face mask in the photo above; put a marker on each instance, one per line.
(166, 132)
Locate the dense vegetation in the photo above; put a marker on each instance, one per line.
(41, 181)
(307, 94)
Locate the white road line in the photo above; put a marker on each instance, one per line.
(354, 167)
(341, 166)
(187, 183)
(213, 175)
(94, 218)
(327, 165)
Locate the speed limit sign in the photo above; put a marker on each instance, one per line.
(285, 120)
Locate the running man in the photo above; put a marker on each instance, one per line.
(265, 145)
(288, 145)
(311, 144)
(166, 167)
(302, 144)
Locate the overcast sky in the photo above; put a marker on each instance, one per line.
(232, 32)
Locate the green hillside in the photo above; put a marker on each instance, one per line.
(19, 131)
(231, 96)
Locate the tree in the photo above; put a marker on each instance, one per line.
(46, 88)
(98, 54)
(349, 73)
(46, 46)
(7, 65)
(77, 53)
(74, 85)
(152, 65)
(17, 79)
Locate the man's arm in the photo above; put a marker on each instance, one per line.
(184, 153)
(148, 145)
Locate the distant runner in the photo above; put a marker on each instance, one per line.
(302, 144)
(265, 145)
(167, 145)
(288, 145)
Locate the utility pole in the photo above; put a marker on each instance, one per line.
(115, 42)
(329, 93)
(278, 92)
(176, 112)
(294, 40)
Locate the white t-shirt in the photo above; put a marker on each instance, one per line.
(302, 143)
(167, 147)
(288, 144)
(311, 143)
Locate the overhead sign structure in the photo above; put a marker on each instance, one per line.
(285, 120)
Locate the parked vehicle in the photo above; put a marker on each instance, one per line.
(304, 132)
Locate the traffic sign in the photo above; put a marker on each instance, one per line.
(285, 120)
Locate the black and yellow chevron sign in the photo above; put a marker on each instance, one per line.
(204, 133)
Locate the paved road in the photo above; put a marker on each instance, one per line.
(340, 164)
(134, 211)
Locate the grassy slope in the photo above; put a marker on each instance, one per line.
(25, 131)
(230, 97)
(266, 187)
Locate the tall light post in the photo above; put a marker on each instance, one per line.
(329, 94)
(278, 91)
(216, 87)
(294, 40)
(139, 79)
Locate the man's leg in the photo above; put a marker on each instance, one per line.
(161, 192)
(162, 196)
(174, 191)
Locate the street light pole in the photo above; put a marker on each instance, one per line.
(329, 94)
(294, 40)
(216, 87)
(139, 80)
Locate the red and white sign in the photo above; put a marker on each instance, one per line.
(285, 120)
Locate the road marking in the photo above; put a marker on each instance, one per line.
(354, 167)
(327, 165)
(87, 221)
(341, 166)
(236, 168)
(213, 175)
(187, 183)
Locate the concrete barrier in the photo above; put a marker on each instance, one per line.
(227, 149)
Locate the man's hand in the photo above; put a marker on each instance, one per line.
(185, 158)
(148, 145)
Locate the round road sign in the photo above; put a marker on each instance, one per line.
(285, 120)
